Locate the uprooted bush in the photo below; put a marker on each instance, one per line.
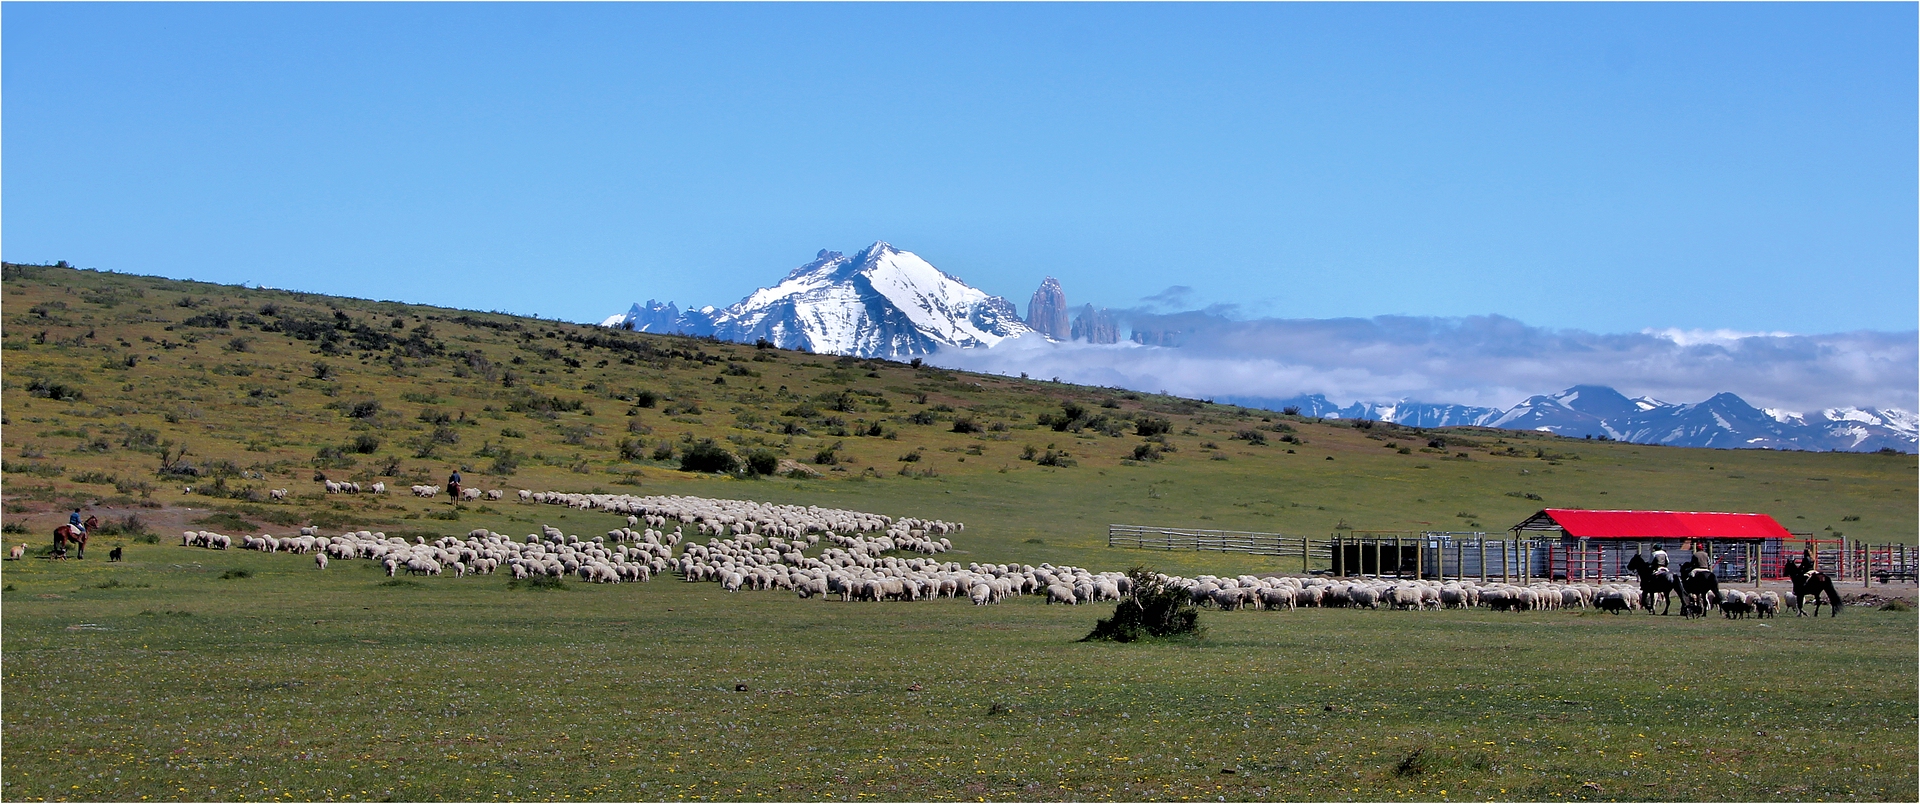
(1155, 610)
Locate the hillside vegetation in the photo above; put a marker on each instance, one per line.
(127, 391)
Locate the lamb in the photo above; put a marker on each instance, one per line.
(320, 560)
(17, 552)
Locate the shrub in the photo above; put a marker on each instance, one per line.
(129, 525)
(706, 456)
(1155, 610)
(365, 445)
(364, 409)
(1147, 452)
(645, 399)
(56, 391)
(1152, 426)
(762, 462)
(663, 451)
(1254, 437)
(1060, 459)
(965, 425)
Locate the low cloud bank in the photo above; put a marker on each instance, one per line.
(1490, 361)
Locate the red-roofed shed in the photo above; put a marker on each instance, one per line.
(1580, 523)
(1599, 543)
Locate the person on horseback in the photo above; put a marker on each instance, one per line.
(1659, 558)
(1698, 563)
(453, 485)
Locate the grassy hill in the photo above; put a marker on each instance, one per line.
(127, 390)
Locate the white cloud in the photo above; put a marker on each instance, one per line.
(1719, 337)
(1481, 360)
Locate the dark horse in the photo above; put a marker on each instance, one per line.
(1701, 590)
(1660, 581)
(1810, 581)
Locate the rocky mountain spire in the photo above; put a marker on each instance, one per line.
(1096, 326)
(1047, 312)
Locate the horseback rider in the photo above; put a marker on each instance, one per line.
(1659, 559)
(453, 484)
(1701, 561)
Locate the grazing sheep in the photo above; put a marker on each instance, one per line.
(495, 494)
(320, 560)
(277, 494)
(380, 487)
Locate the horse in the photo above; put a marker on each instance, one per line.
(1810, 581)
(1701, 590)
(1654, 582)
(64, 535)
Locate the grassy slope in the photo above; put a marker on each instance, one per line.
(302, 684)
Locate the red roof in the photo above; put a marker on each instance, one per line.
(1585, 524)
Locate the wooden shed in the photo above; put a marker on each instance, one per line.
(1598, 544)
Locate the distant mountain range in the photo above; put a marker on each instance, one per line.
(888, 303)
(1596, 411)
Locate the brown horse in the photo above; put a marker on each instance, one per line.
(66, 534)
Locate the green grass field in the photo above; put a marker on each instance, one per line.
(178, 683)
(159, 678)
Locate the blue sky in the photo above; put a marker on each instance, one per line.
(1604, 167)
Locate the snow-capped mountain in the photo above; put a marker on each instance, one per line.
(882, 302)
(1596, 411)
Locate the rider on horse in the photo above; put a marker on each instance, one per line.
(1700, 562)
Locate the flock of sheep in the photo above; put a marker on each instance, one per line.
(870, 557)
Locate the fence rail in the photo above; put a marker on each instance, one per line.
(1311, 552)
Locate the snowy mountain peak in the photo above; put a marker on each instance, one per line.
(882, 302)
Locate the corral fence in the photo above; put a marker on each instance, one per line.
(1442, 555)
(1311, 553)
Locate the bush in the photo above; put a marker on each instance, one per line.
(1156, 610)
(663, 451)
(366, 445)
(364, 409)
(762, 462)
(706, 456)
(645, 399)
(965, 425)
(1152, 426)
(1059, 459)
(129, 525)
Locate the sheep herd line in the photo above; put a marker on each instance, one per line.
(752, 545)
